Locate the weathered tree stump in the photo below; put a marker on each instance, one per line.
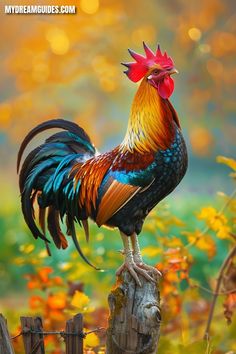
(134, 323)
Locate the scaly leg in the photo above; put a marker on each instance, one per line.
(138, 257)
(129, 263)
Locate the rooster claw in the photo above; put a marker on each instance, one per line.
(149, 268)
(134, 269)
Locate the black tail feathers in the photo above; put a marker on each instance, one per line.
(45, 178)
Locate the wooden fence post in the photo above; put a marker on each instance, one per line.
(78, 328)
(69, 339)
(74, 342)
(5, 341)
(33, 342)
(134, 323)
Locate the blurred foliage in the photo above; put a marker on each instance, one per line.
(66, 65)
(69, 66)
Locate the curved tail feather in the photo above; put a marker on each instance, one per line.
(53, 123)
(76, 242)
(46, 178)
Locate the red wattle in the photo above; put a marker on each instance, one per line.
(166, 87)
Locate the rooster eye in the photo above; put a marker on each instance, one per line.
(155, 72)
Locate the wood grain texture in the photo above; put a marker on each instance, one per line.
(5, 341)
(69, 339)
(134, 323)
(74, 343)
(33, 342)
(78, 340)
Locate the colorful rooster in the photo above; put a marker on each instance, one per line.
(70, 181)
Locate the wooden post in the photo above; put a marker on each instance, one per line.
(74, 342)
(134, 323)
(33, 342)
(38, 338)
(5, 341)
(78, 328)
(69, 339)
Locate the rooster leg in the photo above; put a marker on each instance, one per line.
(129, 263)
(138, 257)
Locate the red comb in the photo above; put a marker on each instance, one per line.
(138, 69)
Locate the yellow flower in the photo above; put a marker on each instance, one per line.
(91, 340)
(227, 161)
(204, 242)
(224, 231)
(207, 213)
(215, 221)
(80, 300)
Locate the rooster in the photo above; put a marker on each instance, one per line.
(71, 182)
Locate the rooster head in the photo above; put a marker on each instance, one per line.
(155, 68)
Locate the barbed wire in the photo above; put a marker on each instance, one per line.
(63, 334)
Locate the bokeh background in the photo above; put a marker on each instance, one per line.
(68, 66)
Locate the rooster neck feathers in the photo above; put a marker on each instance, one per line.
(151, 122)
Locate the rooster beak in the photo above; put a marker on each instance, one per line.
(173, 71)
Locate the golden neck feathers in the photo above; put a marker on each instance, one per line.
(151, 124)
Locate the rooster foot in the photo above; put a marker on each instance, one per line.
(147, 267)
(138, 257)
(139, 262)
(134, 269)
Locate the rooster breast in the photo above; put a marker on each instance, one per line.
(168, 168)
